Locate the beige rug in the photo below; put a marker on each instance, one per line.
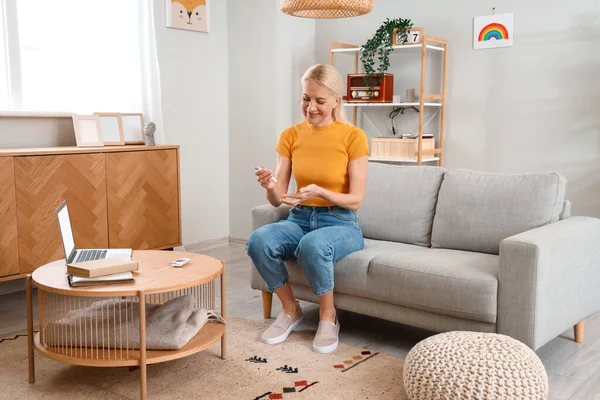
(291, 371)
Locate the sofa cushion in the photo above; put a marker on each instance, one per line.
(449, 282)
(475, 211)
(350, 273)
(566, 210)
(399, 203)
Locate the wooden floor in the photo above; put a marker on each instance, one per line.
(573, 369)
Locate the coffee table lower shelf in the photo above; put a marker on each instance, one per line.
(92, 357)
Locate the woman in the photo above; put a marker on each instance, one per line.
(329, 159)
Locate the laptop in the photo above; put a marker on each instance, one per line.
(72, 254)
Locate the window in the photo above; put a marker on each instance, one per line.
(71, 56)
(4, 87)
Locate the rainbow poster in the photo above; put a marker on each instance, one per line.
(493, 31)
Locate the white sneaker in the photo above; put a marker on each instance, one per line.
(327, 337)
(282, 327)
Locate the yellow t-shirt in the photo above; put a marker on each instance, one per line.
(320, 155)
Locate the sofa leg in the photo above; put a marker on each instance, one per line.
(267, 298)
(579, 331)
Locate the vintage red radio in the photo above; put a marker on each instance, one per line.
(375, 89)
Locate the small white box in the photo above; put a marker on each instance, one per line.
(180, 262)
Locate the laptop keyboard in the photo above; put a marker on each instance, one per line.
(90, 255)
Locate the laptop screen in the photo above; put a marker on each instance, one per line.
(65, 231)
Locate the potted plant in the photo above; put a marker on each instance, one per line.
(381, 45)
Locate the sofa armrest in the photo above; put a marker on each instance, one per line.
(548, 279)
(267, 214)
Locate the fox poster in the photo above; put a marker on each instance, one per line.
(191, 15)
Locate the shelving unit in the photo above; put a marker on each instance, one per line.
(402, 159)
(438, 100)
(391, 104)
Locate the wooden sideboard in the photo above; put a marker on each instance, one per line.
(119, 196)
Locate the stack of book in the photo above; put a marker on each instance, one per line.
(101, 272)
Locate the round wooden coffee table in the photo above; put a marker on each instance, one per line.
(88, 311)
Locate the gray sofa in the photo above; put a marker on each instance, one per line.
(461, 250)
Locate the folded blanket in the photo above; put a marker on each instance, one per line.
(115, 322)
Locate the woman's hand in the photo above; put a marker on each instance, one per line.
(305, 193)
(263, 176)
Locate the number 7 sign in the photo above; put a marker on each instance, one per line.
(413, 36)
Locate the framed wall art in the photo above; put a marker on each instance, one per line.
(191, 15)
(492, 31)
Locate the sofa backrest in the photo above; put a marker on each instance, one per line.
(475, 210)
(399, 203)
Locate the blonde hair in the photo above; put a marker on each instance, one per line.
(329, 77)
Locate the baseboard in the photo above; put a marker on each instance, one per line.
(212, 243)
(237, 240)
(207, 244)
(17, 285)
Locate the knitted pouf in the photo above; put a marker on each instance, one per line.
(472, 365)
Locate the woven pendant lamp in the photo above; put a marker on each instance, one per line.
(326, 9)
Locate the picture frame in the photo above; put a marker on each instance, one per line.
(493, 31)
(111, 128)
(87, 131)
(133, 128)
(190, 15)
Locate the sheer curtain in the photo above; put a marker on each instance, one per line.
(86, 56)
(4, 82)
(150, 68)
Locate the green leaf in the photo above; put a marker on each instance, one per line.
(380, 45)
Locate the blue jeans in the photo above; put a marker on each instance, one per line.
(316, 237)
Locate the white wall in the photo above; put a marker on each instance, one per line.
(530, 107)
(268, 53)
(194, 86)
(295, 44)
